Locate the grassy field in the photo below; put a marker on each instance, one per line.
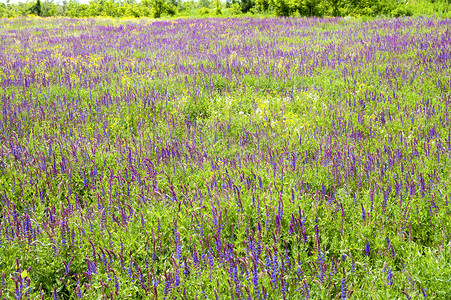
(225, 159)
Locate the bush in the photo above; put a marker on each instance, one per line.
(158, 8)
(3, 11)
(261, 5)
(204, 11)
(281, 8)
(235, 9)
(218, 7)
(171, 10)
(246, 5)
(401, 11)
(310, 8)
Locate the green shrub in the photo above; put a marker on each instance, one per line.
(171, 10)
(281, 8)
(235, 9)
(204, 11)
(401, 11)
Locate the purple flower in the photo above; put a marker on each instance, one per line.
(168, 285)
(130, 269)
(55, 294)
(343, 288)
(423, 291)
(389, 276)
(363, 212)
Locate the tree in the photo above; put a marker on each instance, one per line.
(204, 3)
(282, 8)
(262, 5)
(109, 8)
(235, 9)
(64, 6)
(158, 7)
(175, 3)
(218, 7)
(247, 5)
(76, 10)
(334, 6)
(3, 10)
(311, 8)
(36, 9)
(171, 9)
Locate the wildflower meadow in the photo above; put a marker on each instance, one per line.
(221, 158)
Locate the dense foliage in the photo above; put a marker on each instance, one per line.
(225, 158)
(202, 8)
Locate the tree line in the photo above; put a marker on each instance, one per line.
(205, 8)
